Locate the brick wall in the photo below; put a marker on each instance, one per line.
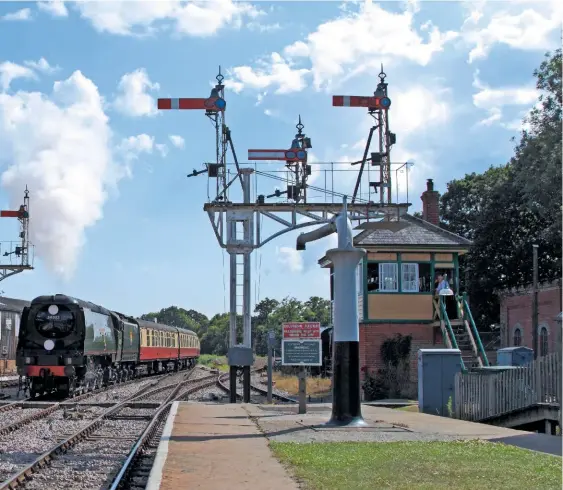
(516, 312)
(430, 204)
(372, 336)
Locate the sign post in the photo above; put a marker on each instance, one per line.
(302, 346)
(271, 339)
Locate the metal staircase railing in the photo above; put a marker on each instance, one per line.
(467, 313)
(447, 330)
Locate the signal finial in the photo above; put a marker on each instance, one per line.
(220, 77)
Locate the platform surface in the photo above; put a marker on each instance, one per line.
(226, 446)
(215, 447)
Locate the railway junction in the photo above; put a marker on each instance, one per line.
(186, 429)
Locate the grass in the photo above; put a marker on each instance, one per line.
(215, 362)
(409, 408)
(290, 384)
(464, 465)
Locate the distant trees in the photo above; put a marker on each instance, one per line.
(270, 314)
(508, 208)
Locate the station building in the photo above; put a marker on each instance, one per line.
(396, 285)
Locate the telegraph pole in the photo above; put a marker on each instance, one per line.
(535, 312)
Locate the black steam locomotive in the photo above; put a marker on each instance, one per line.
(69, 345)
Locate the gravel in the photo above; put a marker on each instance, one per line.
(90, 463)
(22, 446)
(16, 414)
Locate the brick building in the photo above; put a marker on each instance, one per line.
(516, 317)
(396, 283)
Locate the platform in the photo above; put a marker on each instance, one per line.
(226, 446)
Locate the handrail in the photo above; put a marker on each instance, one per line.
(451, 332)
(475, 331)
(461, 314)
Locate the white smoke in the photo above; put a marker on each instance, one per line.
(60, 148)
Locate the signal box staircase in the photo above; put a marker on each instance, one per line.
(461, 332)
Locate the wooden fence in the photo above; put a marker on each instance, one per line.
(479, 396)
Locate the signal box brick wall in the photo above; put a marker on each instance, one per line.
(516, 313)
(372, 336)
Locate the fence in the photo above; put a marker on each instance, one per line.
(482, 395)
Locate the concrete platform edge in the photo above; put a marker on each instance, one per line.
(155, 476)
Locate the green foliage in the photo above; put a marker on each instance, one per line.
(450, 406)
(270, 314)
(392, 380)
(508, 208)
(178, 317)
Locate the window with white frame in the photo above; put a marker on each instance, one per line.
(409, 278)
(388, 280)
(359, 278)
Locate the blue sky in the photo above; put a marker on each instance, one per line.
(114, 218)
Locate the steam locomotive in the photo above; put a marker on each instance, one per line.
(68, 345)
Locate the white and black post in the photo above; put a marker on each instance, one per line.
(346, 398)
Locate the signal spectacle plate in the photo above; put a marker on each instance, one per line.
(289, 154)
(385, 102)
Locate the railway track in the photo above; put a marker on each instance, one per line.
(27, 413)
(84, 459)
(113, 447)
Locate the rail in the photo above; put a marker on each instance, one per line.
(480, 396)
(21, 477)
(467, 311)
(450, 331)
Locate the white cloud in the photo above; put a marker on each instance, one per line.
(130, 149)
(23, 14)
(162, 149)
(11, 71)
(177, 141)
(42, 65)
(527, 29)
(347, 46)
(275, 72)
(194, 19)
(290, 258)
(56, 8)
(59, 146)
(133, 99)
(492, 100)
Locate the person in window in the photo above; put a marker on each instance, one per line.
(439, 283)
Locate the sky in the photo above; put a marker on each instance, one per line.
(115, 220)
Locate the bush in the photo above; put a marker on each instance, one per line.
(393, 380)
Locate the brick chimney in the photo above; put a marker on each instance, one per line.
(431, 204)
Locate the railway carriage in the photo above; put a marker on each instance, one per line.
(66, 344)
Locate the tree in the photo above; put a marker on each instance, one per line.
(178, 317)
(271, 313)
(508, 208)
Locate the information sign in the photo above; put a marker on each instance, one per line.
(301, 344)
